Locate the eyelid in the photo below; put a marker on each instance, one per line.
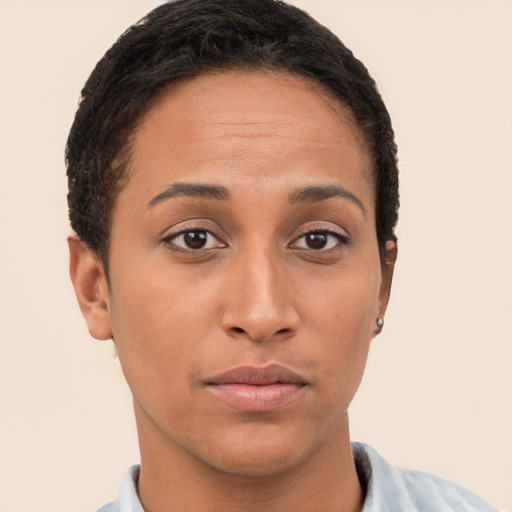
(171, 235)
(199, 225)
(342, 237)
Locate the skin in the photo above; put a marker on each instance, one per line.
(255, 294)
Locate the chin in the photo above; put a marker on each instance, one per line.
(257, 463)
(258, 454)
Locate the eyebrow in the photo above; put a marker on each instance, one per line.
(316, 194)
(200, 190)
(311, 194)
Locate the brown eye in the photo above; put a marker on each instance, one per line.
(320, 240)
(316, 240)
(194, 240)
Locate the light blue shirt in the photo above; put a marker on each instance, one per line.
(387, 489)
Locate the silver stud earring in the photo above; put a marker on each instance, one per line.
(380, 323)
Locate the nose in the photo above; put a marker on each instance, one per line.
(259, 299)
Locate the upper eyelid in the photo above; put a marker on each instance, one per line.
(340, 236)
(331, 232)
(190, 225)
(218, 233)
(323, 228)
(172, 236)
(182, 231)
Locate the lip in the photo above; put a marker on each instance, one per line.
(257, 389)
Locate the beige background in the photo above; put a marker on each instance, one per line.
(437, 394)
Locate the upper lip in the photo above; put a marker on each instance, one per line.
(258, 376)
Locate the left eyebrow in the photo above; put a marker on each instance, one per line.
(321, 193)
(201, 190)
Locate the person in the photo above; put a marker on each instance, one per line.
(233, 189)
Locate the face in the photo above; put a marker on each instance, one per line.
(245, 278)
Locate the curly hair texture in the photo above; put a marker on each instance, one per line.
(184, 39)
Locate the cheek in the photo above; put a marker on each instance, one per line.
(345, 301)
(154, 298)
(343, 321)
(158, 320)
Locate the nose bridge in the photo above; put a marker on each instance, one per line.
(259, 305)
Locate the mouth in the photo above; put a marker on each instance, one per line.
(257, 389)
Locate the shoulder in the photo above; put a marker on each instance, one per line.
(128, 501)
(109, 507)
(414, 491)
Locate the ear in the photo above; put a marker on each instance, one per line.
(388, 267)
(90, 283)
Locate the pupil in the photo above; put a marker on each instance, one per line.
(195, 239)
(316, 240)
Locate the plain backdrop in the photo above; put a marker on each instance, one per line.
(438, 388)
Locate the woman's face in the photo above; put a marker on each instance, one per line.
(244, 270)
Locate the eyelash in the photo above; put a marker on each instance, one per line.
(168, 240)
(342, 240)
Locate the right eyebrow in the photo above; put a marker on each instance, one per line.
(201, 190)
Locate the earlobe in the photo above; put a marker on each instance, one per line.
(90, 283)
(388, 267)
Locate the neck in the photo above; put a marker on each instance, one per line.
(174, 480)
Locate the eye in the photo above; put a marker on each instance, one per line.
(193, 240)
(320, 240)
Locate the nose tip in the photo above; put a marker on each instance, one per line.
(260, 328)
(260, 307)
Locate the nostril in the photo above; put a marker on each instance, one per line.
(283, 331)
(238, 330)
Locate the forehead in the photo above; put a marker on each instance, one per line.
(256, 125)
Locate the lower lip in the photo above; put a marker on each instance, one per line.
(249, 398)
